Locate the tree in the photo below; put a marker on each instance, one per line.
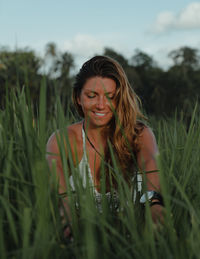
(129, 69)
(64, 81)
(186, 57)
(60, 66)
(19, 68)
(142, 60)
(150, 76)
(117, 56)
(183, 78)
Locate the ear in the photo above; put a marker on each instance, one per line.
(78, 100)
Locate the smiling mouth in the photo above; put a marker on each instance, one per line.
(99, 114)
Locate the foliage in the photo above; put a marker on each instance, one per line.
(30, 225)
(17, 69)
(161, 91)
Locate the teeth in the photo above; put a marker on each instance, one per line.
(99, 114)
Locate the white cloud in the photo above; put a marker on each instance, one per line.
(83, 45)
(188, 18)
(160, 48)
(164, 21)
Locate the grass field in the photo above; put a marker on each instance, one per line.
(30, 224)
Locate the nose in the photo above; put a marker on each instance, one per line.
(101, 102)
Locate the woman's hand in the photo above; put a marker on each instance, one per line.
(67, 233)
(157, 213)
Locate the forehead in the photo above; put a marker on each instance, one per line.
(100, 84)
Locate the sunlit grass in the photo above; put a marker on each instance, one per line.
(30, 224)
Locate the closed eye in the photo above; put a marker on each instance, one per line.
(110, 97)
(91, 96)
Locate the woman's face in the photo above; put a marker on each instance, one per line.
(97, 100)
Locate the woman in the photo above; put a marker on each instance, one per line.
(109, 107)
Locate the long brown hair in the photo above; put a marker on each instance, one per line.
(125, 122)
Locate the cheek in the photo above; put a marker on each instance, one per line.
(112, 104)
(86, 104)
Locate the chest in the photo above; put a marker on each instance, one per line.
(94, 161)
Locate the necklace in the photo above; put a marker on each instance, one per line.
(92, 145)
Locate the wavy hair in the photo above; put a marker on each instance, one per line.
(125, 122)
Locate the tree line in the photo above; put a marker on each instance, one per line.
(161, 91)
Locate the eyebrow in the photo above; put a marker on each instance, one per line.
(88, 90)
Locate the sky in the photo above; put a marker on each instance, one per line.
(85, 27)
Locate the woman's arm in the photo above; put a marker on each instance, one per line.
(53, 154)
(146, 159)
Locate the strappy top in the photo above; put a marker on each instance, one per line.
(83, 167)
(84, 170)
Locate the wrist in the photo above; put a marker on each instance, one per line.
(152, 203)
(153, 197)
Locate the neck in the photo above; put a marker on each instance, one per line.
(94, 132)
(97, 143)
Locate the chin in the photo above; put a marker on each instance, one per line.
(99, 123)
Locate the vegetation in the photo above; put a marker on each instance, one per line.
(30, 224)
(161, 91)
(34, 104)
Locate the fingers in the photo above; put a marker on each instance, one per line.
(67, 233)
(157, 212)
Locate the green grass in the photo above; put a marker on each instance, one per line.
(30, 224)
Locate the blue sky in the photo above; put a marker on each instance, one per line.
(84, 28)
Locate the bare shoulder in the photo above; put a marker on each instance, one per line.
(147, 133)
(73, 134)
(73, 129)
(147, 139)
(52, 145)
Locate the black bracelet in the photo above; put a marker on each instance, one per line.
(156, 203)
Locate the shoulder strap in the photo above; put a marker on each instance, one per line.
(84, 143)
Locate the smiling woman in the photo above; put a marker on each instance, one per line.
(110, 111)
(97, 101)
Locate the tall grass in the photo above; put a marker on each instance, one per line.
(30, 224)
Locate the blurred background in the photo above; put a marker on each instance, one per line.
(42, 46)
(157, 43)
